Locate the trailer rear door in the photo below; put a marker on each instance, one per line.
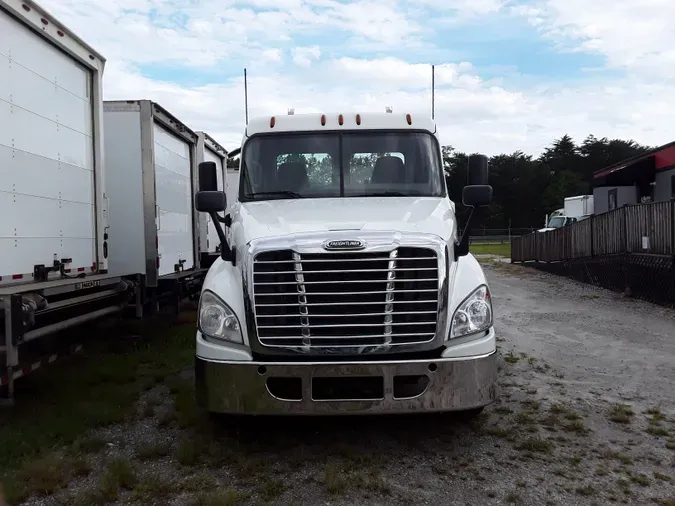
(46, 155)
(211, 234)
(173, 189)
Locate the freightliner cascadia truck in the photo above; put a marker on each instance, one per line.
(343, 285)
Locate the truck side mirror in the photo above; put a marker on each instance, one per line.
(477, 170)
(208, 181)
(477, 193)
(210, 201)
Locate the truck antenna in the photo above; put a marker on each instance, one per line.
(433, 91)
(246, 95)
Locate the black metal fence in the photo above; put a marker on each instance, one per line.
(631, 249)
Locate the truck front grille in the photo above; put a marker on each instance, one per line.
(327, 300)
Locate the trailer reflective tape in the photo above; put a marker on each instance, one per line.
(23, 371)
(17, 276)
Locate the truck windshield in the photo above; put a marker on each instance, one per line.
(556, 222)
(340, 164)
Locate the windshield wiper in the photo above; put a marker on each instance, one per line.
(281, 193)
(389, 193)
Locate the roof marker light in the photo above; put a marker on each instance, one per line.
(358, 119)
(341, 120)
(323, 120)
(273, 121)
(408, 118)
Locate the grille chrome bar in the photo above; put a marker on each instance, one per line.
(262, 262)
(330, 282)
(337, 300)
(351, 303)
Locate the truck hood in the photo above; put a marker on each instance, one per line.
(252, 220)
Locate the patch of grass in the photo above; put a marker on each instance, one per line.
(621, 457)
(662, 477)
(272, 489)
(499, 432)
(502, 249)
(536, 445)
(530, 404)
(577, 427)
(121, 473)
(197, 483)
(640, 479)
(621, 413)
(150, 451)
(98, 387)
(586, 490)
(334, 479)
(219, 497)
(152, 488)
(89, 444)
(655, 415)
(511, 358)
(657, 431)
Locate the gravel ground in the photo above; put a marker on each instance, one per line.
(586, 416)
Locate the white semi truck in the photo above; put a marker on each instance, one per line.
(343, 285)
(575, 209)
(54, 245)
(151, 177)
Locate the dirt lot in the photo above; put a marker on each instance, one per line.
(587, 416)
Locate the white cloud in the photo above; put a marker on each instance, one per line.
(474, 113)
(303, 56)
(636, 35)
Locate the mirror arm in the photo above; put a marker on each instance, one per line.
(226, 253)
(462, 247)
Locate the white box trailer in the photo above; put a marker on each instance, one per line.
(53, 205)
(208, 150)
(578, 206)
(151, 176)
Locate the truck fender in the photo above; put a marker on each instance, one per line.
(468, 276)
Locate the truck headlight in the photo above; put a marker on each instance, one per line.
(473, 315)
(217, 320)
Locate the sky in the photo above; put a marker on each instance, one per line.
(511, 75)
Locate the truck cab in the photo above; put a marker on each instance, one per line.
(343, 285)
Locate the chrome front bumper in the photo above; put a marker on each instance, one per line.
(318, 388)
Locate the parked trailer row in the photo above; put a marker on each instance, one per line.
(96, 198)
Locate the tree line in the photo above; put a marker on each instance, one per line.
(527, 188)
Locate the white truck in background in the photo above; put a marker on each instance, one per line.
(575, 209)
(343, 286)
(54, 247)
(151, 177)
(209, 150)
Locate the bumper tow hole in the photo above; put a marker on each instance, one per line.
(262, 370)
(432, 367)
